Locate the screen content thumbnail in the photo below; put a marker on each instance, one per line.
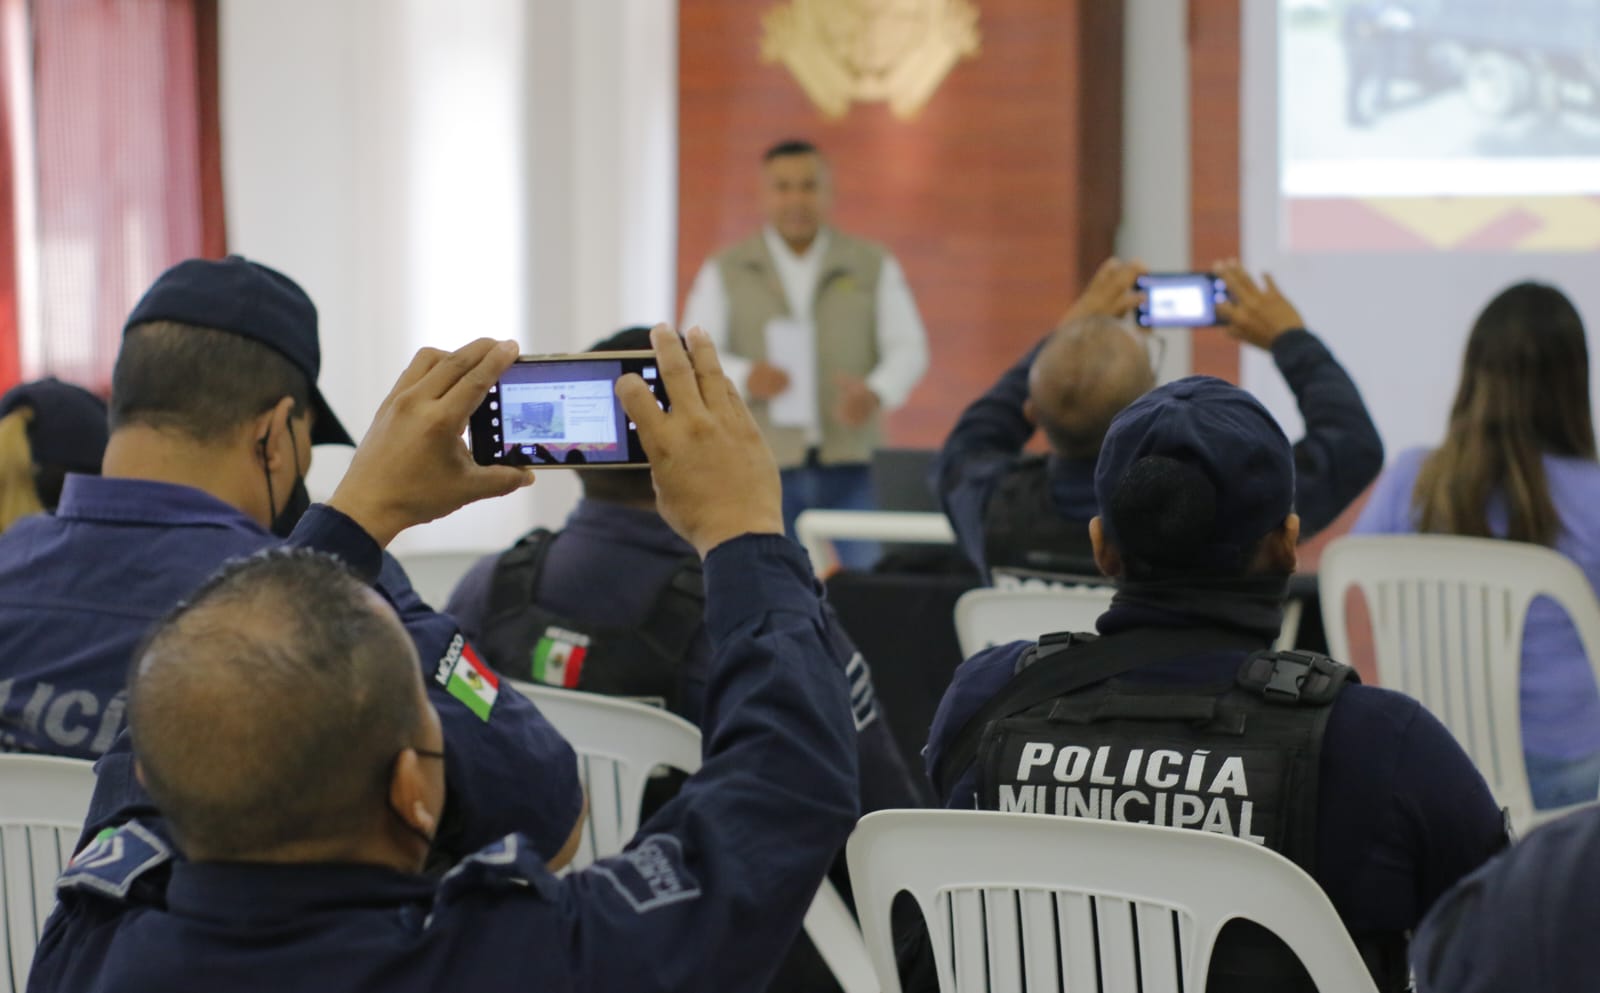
(563, 413)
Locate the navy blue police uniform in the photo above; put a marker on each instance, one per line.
(706, 897)
(615, 570)
(1029, 513)
(1525, 921)
(79, 589)
(1172, 717)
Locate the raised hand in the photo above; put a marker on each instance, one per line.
(412, 466)
(1254, 314)
(715, 477)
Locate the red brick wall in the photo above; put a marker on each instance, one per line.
(998, 198)
(1214, 29)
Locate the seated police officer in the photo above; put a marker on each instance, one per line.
(1177, 715)
(1526, 921)
(1028, 514)
(214, 411)
(614, 603)
(47, 429)
(307, 813)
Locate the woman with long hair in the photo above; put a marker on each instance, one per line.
(1518, 462)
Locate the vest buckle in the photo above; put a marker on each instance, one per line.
(1292, 677)
(1288, 675)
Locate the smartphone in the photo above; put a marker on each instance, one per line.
(1180, 299)
(562, 412)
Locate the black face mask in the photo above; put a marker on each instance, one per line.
(294, 508)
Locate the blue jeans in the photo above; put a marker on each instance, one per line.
(832, 487)
(1562, 782)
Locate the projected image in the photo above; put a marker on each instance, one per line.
(1440, 124)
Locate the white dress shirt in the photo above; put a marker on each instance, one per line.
(902, 340)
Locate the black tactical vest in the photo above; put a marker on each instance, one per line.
(1024, 534)
(531, 643)
(1240, 759)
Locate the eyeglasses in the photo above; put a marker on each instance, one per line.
(427, 754)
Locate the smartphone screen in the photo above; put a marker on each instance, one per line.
(562, 411)
(1180, 299)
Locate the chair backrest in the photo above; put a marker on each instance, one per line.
(996, 617)
(1071, 905)
(817, 529)
(43, 802)
(1447, 618)
(619, 743)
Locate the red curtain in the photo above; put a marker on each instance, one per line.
(125, 172)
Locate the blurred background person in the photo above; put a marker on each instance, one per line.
(1518, 462)
(47, 429)
(801, 306)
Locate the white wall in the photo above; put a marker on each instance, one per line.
(1155, 150)
(433, 171)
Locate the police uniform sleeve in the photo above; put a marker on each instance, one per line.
(469, 601)
(1449, 819)
(716, 885)
(886, 781)
(975, 682)
(507, 771)
(327, 530)
(1341, 452)
(982, 447)
(1522, 922)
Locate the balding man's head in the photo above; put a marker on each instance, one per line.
(268, 711)
(1084, 376)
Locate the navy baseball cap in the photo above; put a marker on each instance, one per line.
(68, 429)
(249, 299)
(1218, 429)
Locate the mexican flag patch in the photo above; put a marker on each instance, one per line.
(558, 657)
(466, 677)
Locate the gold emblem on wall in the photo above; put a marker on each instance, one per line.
(897, 51)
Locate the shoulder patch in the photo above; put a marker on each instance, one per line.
(651, 874)
(111, 863)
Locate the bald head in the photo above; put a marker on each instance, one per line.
(1086, 373)
(267, 711)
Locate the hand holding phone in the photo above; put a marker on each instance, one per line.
(715, 476)
(562, 412)
(1180, 299)
(416, 435)
(1255, 314)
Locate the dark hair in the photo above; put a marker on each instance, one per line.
(790, 148)
(620, 485)
(1164, 514)
(202, 382)
(268, 709)
(1524, 393)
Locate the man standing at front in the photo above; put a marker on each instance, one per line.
(820, 330)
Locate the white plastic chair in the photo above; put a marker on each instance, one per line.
(1043, 903)
(1447, 620)
(987, 617)
(43, 802)
(618, 743)
(816, 530)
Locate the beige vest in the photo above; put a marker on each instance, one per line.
(845, 313)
